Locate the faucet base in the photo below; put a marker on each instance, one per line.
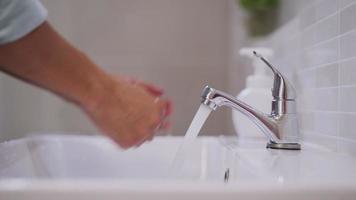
(285, 146)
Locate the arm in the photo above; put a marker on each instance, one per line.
(125, 112)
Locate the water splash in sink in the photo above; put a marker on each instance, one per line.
(193, 131)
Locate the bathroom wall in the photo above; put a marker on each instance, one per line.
(317, 51)
(238, 68)
(179, 45)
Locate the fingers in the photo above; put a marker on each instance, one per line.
(145, 136)
(147, 128)
(165, 107)
(157, 121)
(124, 143)
(169, 108)
(144, 117)
(133, 139)
(165, 125)
(152, 89)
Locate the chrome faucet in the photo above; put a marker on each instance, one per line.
(281, 125)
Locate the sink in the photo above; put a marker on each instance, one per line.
(92, 167)
(313, 164)
(94, 157)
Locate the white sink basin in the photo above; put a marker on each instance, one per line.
(90, 157)
(92, 167)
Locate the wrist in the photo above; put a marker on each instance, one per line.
(96, 83)
(100, 86)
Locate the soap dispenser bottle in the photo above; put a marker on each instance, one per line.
(257, 93)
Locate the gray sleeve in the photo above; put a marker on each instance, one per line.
(19, 17)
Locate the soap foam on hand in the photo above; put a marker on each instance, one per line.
(193, 131)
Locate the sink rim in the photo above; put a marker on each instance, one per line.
(91, 182)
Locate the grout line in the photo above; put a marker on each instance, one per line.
(318, 66)
(322, 88)
(339, 81)
(347, 32)
(327, 112)
(335, 87)
(313, 132)
(347, 86)
(302, 70)
(319, 21)
(347, 6)
(327, 17)
(332, 38)
(322, 42)
(329, 87)
(347, 59)
(347, 140)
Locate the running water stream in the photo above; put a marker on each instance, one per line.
(198, 121)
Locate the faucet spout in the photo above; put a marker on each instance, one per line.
(280, 128)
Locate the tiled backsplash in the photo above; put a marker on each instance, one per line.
(317, 52)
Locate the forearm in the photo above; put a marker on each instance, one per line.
(45, 59)
(128, 113)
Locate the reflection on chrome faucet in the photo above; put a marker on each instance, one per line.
(281, 125)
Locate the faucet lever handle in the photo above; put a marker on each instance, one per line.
(282, 89)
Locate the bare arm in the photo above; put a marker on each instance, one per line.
(45, 59)
(127, 112)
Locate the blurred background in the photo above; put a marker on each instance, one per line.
(180, 45)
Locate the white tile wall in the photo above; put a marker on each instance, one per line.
(317, 51)
(348, 72)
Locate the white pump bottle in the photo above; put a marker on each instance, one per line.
(257, 93)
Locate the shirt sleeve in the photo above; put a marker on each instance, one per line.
(19, 17)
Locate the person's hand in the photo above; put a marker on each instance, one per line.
(158, 93)
(129, 111)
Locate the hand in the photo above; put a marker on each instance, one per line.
(129, 112)
(157, 92)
